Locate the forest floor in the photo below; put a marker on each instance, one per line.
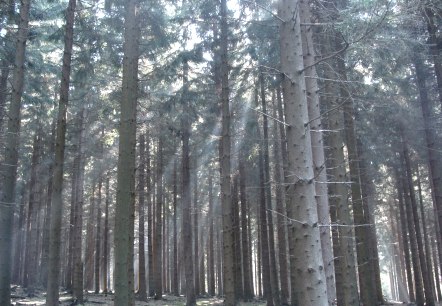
(19, 298)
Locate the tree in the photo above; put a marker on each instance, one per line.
(9, 167)
(301, 204)
(126, 161)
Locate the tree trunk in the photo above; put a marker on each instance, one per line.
(175, 287)
(417, 273)
(126, 161)
(158, 244)
(9, 166)
(150, 222)
(403, 218)
(77, 202)
(52, 293)
(98, 238)
(225, 168)
(142, 291)
(269, 206)
(195, 228)
(105, 260)
(428, 289)
(320, 171)
(186, 202)
(265, 256)
(236, 237)
(310, 277)
(246, 258)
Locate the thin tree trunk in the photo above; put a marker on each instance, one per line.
(126, 161)
(226, 196)
(246, 258)
(175, 287)
(106, 236)
(195, 230)
(403, 218)
(265, 256)
(78, 195)
(428, 289)
(412, 234)
(54, 263)
(142, 290)
(186, 202)
(150, 222)
(158, 244)
(211, 244)
(236, 237)
(269, 206)
(9, 166)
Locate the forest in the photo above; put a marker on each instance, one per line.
(221, 152)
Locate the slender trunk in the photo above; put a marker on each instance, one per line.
(269, 206)
(434, 43)
(98, 238)
(47, 221)
(412, 236)
(301, 204)
(77, 201)
(226, 196)
(211, 244)
(246, 258)
(142, 291)
(425, 236)
(175, 287)
(30, 275)
(106, 236)
(195, 230)
(403, 218)
(126, 161)
(9, 166)
(265, 256)
(54, 263)
(186, 202)
(150, 222)
(428, 289)
(158, 244)
(236, 237)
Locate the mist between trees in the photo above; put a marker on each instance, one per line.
(281, 152)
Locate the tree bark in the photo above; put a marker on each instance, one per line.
(9, 166)
(175, 283)
(158, 243)
(142, 290)
(52, 294)
(226, 197)
(301, 205)
(320, 171)
(126, 161)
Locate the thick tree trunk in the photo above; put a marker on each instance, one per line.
(314, 111)
(9, 166)
(54, 263)
(126, 161)
(301, 205)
